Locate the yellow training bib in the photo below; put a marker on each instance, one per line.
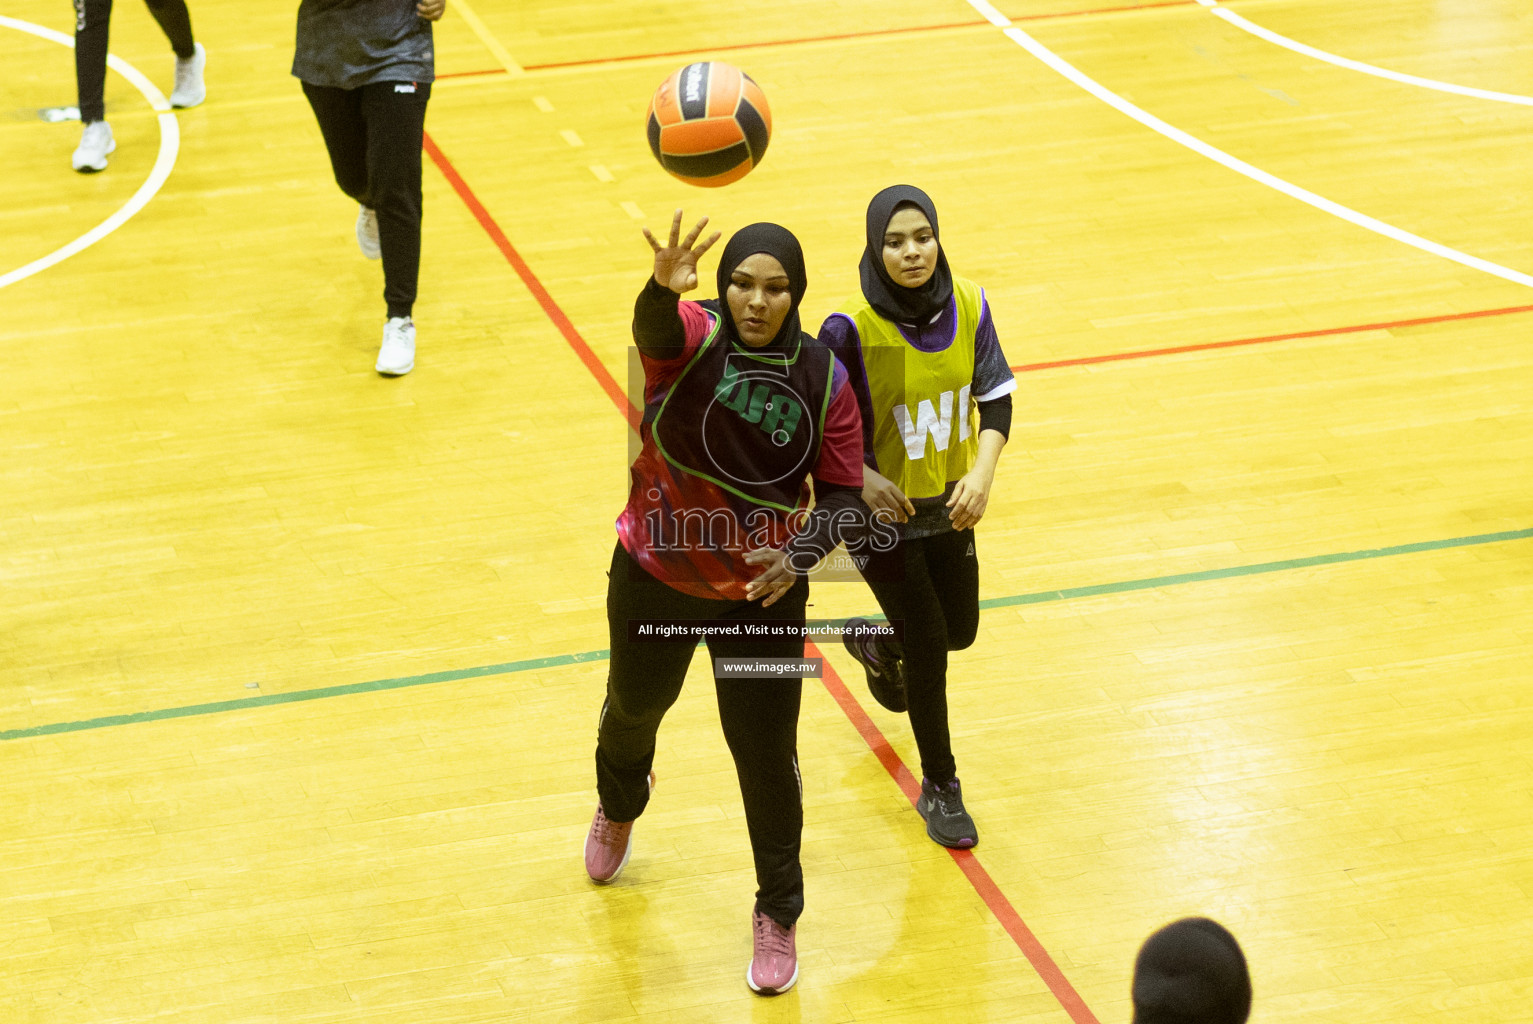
(925, 422)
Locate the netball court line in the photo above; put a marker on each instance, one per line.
(170, 145)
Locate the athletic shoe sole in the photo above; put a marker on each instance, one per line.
(96, 168)
(769, 991)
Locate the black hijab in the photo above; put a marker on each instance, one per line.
(1191, 970)
(778, 242)
(894, 301)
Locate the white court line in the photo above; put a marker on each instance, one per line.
(992, 15)
(170, 144)
(1219, 156)
(1357, 65)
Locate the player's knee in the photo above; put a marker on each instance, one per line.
(962, 639)
(626, 709)
(395, 184)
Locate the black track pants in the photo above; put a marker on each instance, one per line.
(374, 135)
(92, 22)
(930, 585)
(759, 716)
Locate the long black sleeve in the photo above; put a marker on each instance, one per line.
(996, 415)
(839, 334)
(657, 326)
(839, 515)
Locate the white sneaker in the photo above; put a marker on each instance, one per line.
(190, 90)
(396, 357)
(95, 143)
(367, 233)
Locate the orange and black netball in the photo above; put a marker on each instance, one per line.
(709, 124)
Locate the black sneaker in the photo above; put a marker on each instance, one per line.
(886, 679)
(946, 820)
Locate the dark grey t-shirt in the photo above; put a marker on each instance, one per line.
(347, 44)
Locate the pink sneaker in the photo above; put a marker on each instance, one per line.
(609, 844)
(774, 961)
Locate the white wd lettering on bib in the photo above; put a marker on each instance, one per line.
(929, 422)
(914, 396)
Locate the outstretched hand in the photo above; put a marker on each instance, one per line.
(676, 261)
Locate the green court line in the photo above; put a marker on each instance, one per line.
(556, 661)
(1071, 593)
(268, 699)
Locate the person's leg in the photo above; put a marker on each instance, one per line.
(395, 115)
(92, 21)
(925, 647)
(339, 114)
(913, 601)
(92, 29)
(643, 681)
(760, 720)
(902, 583)
(953, 567)
(344, 128)
(881, 656)
(176, 22)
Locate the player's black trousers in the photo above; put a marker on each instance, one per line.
(92, 23)
(930, 585)
(760, 719)
(374, 136)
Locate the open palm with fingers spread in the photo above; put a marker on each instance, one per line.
(676, 261)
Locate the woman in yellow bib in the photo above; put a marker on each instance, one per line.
(934, 390)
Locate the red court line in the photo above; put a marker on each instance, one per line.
(470, 74)
(866, 34)
(972, 869)
(869, 33)
(550, 307)
(1055, 16)
(1324, 332)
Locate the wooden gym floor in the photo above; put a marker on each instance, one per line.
(300, 667)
